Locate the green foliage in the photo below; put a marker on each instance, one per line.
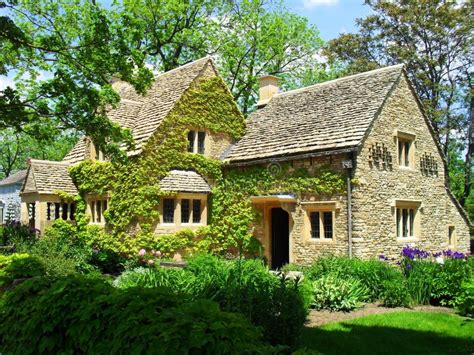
(432, 282)
(371, 273)
(62, 251)
(465, 299)
(244, 286)
(337, 293)
(395, 293)
(17, 234)
(79, 45)
(75, 314)
(19, 266)
(17, 147)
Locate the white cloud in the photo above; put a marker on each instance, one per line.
(309, 4)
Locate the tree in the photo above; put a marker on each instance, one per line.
(16, 148)
(80, 45)
(433, 38)
(249, 38)
(264, 38)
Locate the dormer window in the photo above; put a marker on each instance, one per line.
(197, 142)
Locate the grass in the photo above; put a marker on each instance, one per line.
(393, 333)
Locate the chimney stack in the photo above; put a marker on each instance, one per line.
(268, 88)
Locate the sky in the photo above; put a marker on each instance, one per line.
(331, 17)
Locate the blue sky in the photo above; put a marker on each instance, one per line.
(332, 17)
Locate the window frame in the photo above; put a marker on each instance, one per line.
(197, 141)
(413, 219)
(174, 210)
(405, 141)
(321, 207)
(452, 238)
(97, 205)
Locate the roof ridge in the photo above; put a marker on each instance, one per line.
(369, 72)
(49, 162)
(208, 57)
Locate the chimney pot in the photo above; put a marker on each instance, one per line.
(268, 88)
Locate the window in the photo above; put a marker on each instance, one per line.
(315, 225)
(196, 211)
(407, 221)
(1, 215)
(322, 224)
(451, 237)
(191, 138)
(97, 207)
(405, 143)
(185, 212)
(197, 142)
(168, 210)
(201, 138)
(97, 153)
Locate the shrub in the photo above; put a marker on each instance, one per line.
(19, 266)
(75, 314)
(420, 279)
(62, 251)
(465, 299)
(448, 280)
(245, 286)
(16, 234)
(395, 293)
(370, 273)
(338, 293)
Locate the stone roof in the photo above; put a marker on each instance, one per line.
(333, 115)
(15, 178)
(184, 181)
(144, 114)
(46, 177)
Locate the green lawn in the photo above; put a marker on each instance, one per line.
(393, 333)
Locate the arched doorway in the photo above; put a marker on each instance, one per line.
(280, 232)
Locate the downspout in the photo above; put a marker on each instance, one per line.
(349, 211)
(348, 164)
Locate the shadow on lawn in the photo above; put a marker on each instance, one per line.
(357, 339)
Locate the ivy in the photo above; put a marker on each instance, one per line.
(136, 194)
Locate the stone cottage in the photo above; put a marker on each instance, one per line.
(10, 196)
(368, 127)
(371, 127)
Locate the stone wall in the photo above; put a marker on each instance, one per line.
(380, 185)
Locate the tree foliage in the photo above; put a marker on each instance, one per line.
(433, 38)
(79, 46)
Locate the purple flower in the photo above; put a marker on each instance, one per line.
(409, 267)
(142, 252)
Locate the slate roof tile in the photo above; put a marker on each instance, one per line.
(184, 181)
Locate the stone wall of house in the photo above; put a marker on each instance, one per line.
(380, 185)
(218, 143)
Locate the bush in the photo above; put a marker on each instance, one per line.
(465, 299)
(395, 293)
(62, 251)
(75, 315)
(19, 266)
(371, 273)
(16, 234)
(338, 293)
(245, 286)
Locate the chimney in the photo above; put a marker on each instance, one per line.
(268, 88)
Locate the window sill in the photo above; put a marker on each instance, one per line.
(406, 168)
(321, 240)
(407, 239)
